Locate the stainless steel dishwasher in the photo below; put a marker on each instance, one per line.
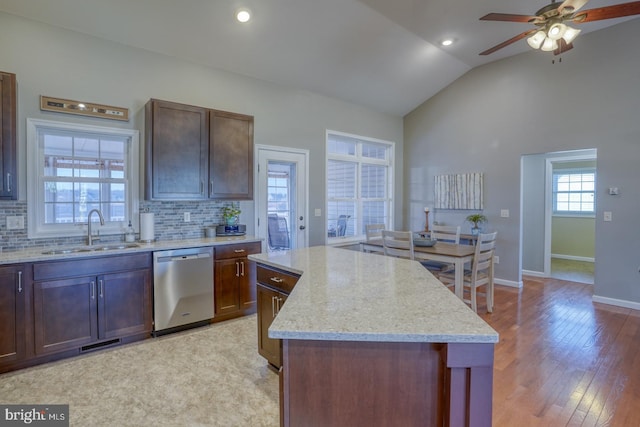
(183, 287)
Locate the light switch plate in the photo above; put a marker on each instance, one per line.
(504, 213)
(318, 212)
(607, 216)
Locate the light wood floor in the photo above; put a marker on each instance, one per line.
(563, 360)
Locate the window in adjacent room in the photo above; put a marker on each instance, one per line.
(359, 185)
(76, 168)
(574, 191)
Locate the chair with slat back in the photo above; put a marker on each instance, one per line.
(342, 225)
(278, 232)
(374, 232)
(442, 233)
(481, 273)
(398, 243)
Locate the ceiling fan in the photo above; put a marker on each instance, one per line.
(551, 32)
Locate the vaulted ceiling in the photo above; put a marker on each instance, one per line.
(382, 54)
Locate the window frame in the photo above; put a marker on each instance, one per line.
(572, 171)
(36, 228)
(358, 159)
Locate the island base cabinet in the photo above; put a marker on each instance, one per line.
(348, 383)
(269, 302)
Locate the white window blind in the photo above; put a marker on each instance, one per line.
(359, 190)
(78, 168)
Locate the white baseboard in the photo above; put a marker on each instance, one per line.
(573, 258)
(510, 283)
(533, 273)
(617, 302)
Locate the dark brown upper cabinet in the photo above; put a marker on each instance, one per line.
(8, 123)
(195, 153)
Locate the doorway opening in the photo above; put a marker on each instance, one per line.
(282, 198)
(558, 215)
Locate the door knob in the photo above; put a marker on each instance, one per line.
(302, 227)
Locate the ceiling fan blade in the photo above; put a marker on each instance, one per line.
(508, 42)
(570, 6)
(607, 12)
(563, 46)
(507, 17)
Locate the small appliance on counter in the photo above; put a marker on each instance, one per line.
(231, 230)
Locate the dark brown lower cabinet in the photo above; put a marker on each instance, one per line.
(234, 283)
(92, 309)
(71, 313)
(273, 287)
(12, 314)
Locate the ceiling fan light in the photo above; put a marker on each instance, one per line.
(556, 31)
(570, 34)
(535, 41)
(549, 45)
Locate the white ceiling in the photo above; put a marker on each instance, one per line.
(382, 54)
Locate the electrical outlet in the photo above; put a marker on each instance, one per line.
(607, 216)
(187, 216)
(496, 259)
(15, 222)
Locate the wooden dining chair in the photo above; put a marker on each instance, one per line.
(398, 243)
(442, 233)
(481, 273)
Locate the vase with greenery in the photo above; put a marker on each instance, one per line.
(230, 214)
(476, 219)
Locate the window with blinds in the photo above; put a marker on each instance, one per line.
(359, 190)
(574, 191)
(76, 169)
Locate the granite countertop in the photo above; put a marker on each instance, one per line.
(36, 254)
(345, 295)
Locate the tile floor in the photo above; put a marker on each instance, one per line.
(210, 376)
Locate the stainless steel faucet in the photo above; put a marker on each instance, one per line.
(90, 238)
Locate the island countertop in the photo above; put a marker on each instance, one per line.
(345, 295)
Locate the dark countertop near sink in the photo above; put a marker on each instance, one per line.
(37, 253)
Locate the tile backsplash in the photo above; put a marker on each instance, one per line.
(168, 215)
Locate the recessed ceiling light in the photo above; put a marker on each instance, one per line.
(447, 42)
(243, 15)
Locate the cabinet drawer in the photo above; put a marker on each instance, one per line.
(237, 250)
(276, 279)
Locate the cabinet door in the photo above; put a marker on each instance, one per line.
(177, 144)
(65, 314)
(12, 324)
(267, 347)
(226, 285)
(8, 154)
(247, 287)
(231, 156)
(124, 304)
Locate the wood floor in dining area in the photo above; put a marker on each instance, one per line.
(563, 360)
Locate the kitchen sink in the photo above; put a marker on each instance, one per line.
(90, 249)
(114, 247)
(65, 251)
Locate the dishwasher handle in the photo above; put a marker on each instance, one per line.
(183, 257)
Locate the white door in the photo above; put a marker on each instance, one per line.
(281, 197)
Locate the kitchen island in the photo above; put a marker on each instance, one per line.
(374, 340)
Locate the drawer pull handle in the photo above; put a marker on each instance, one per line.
(277, 279)
(93, 290)
(239, 251)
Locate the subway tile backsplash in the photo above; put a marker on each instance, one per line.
(168, 215)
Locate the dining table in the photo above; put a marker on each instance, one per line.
(451, 253)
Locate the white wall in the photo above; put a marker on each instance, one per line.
(494, 114)
(64, 64)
